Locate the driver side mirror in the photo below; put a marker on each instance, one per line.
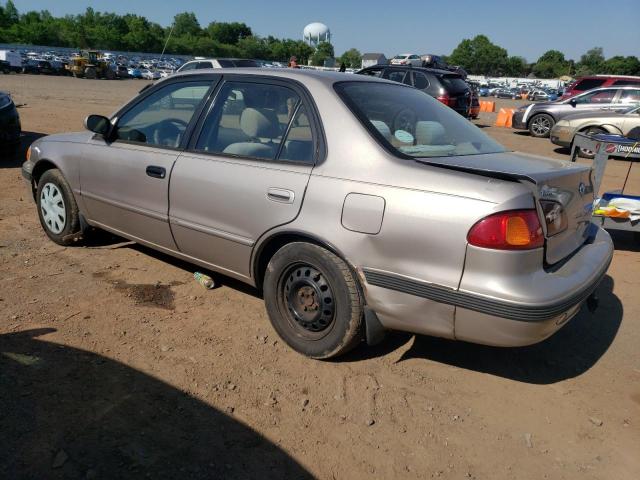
(98, 124)
(573, 102)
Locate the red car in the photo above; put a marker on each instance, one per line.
(583, 84)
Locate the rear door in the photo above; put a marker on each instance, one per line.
(245, 172)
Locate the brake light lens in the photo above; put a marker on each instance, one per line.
(446, 99)
(511, 230)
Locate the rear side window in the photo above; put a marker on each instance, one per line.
(258, 120)
(246, 63)
(626, 82)
(453, 83)
(420, 80)
(629, 96)
(588, 83)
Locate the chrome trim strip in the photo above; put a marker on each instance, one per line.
(212, 231)
(124, 206)
(478, 303)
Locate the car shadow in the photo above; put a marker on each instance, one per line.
(69, 413)
(15, 159)
(570, 352)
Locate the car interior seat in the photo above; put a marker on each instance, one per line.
(258, 125)
(429, 133)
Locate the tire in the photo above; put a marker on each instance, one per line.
(297, 276)
(584, 153)
(540, 125)
(90, 73)
(57, 208)
(110, 74)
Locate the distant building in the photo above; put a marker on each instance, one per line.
(371, 59)
(315, 33)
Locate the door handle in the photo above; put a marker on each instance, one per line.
(281, 195)
(156, 172)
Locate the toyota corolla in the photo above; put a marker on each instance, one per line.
(354, 204)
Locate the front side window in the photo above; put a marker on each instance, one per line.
(588, 84)
(372, 72)
(601, 96)
(188, 66)
(409, 122)
(258, 121)
(394, 75)
(162, 118)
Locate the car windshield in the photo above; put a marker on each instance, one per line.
(400, 57)
(453, 83)
(411, 123)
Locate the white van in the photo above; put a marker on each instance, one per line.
(14, 59)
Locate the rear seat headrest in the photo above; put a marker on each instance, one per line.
(259, 123)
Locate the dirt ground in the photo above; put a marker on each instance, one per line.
(114, 363)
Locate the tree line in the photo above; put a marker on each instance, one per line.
(134, 33)
(481, 57)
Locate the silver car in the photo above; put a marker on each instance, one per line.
(539, 118)
(354, 204)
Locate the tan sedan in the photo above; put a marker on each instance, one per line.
(620, 123)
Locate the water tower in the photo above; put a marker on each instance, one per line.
(316, 32)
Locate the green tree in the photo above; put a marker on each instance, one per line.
(186, 23)
(516, 67)
(620, 65)
(591, 62)
(323, 52)
(352, 58)
(480, 56)
(253, 47)
(551, 64)
(229, 33)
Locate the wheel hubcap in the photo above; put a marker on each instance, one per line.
(541, 125)
(52, 207)
(309, 299)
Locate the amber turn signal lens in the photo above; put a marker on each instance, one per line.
(28, 153)
(517, 232)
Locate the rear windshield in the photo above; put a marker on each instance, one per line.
(453, 83)
(409, 122)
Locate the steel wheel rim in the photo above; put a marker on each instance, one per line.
(52, 207)
(308, 301)
(541, 125)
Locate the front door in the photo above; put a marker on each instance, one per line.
(125, 181)
(246, 173)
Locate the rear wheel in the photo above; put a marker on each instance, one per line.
(57, 209)
(110, 74)
(313, 301)
(90, 73)
(540, 125)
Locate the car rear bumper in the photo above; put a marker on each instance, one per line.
(505, 298)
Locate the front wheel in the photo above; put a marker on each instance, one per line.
(313, 301)
(540, 125)
(57, 209)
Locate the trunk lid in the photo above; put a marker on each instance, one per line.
(564, 183)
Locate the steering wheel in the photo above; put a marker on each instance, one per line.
(168, 132)
(405, 120)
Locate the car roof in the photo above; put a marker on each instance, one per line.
(437, 71)
(300, 74)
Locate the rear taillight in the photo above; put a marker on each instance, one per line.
(511, 230)
(447, 100)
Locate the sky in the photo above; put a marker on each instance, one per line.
(526, 29)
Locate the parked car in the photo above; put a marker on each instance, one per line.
(219, 63)
(621, 123)
(538, 95)
(447, 87)
(590, 82)
(13, 59)
(433, 61)
(38, 67)
(539, 118)
(483, 91)
(407, 59)
(353, 203)
(5, 67)
(512, 93)
(121, 71)
(149, 74)
(134, 72)
(10, 129)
